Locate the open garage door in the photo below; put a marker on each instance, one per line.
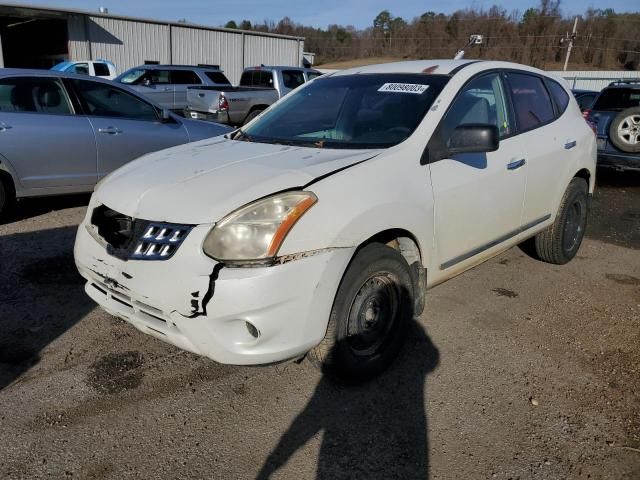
(32, 42)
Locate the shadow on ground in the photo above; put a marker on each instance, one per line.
(41, 296)
(373, 431)
(615, 214)
(33, 207)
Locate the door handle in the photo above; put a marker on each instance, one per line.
(167, 89)
(5, 126)
(515, 164)
(570, 144)
(110, 130)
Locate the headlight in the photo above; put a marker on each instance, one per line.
(256, 231)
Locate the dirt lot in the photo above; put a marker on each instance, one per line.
(517, 370)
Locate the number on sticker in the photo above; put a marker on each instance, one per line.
(403, 88)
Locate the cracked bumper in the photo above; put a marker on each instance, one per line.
(289, 304)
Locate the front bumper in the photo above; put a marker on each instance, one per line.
(288, 304)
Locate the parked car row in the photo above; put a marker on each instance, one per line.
(203, 91)
(62, 132)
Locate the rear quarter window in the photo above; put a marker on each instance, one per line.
(218, 77)
(559, 94)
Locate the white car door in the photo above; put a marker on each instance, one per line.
(478, 198)
(551, 144)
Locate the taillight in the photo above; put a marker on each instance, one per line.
(223, 104)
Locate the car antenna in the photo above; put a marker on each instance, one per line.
(473, 40)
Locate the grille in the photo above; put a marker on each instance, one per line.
(160, 241)
(137, 239)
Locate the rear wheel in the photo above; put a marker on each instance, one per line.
(560, 242)
(251, 116)
(370, 316)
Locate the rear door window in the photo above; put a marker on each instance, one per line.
(292, 78)
(616, 99)
(530, 100)
(185, 77)
(101, 69)
(103, 100)
(37, 95)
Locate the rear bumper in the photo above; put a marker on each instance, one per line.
(219, 117)
(619, 161)
(288, 304)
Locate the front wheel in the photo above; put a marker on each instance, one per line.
(560, 242)
(370, 316)
(7, 197)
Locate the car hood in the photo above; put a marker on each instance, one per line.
(204, 181)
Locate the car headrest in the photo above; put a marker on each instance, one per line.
(49, 96)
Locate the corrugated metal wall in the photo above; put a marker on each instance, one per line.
(127, 43)
(593, 79)
(271, 51)
(78, 43)
(192, 46)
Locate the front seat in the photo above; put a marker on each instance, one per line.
(49, 100)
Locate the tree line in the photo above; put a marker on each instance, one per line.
(538, 36)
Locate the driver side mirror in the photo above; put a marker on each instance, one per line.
(473, 138)
(146, 82)
(165, 115)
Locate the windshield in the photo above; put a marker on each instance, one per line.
(354, 111)
(617, 99)
(131, 76)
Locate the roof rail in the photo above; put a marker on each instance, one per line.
(625, 81)
(206, 65)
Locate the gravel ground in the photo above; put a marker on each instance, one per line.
(517, 369)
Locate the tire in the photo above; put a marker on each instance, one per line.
(7, 197)
(251, 116)
(560, 242)
(369, 318)
(624, 131)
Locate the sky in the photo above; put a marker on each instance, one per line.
(317, 13)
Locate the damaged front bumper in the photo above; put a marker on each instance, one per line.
(242, 316)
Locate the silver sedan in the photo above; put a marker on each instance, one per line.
(61, 133)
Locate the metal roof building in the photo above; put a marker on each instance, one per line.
(39, 37)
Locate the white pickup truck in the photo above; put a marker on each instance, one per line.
(259, 87)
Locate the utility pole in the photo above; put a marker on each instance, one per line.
(570, 38)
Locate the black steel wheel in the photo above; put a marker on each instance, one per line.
(370, 315)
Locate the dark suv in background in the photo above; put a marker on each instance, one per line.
(615, 117)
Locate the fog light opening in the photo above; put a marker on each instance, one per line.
(253, 331)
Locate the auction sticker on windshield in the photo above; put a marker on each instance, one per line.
(403, 88)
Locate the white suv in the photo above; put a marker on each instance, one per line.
(318, 227)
